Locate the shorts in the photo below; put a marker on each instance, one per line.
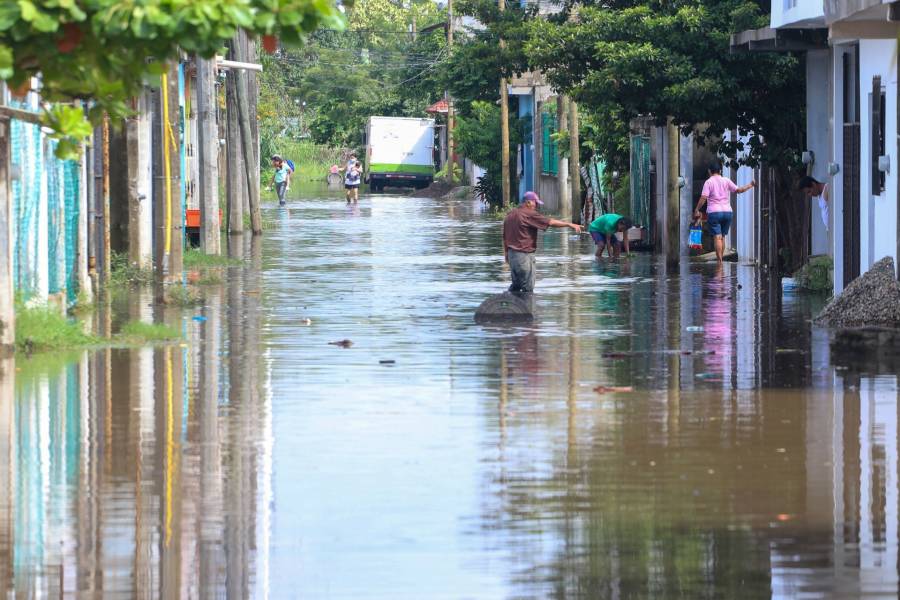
(719, 222)
(351, 186)
(601, 238)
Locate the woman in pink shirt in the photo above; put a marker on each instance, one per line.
(717, 195)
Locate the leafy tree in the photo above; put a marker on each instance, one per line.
(376, 66)
(622, 59)
(625, 58)
(105, 50)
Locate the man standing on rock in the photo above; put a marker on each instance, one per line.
(520, 230)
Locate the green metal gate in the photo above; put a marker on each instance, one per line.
(640, 183)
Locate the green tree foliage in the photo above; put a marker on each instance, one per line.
(625, 58)
(377, 66)
(105, 50)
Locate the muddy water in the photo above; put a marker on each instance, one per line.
(256, 459)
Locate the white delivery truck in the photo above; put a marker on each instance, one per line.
(399, 152)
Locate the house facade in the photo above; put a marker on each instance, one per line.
(852, 121)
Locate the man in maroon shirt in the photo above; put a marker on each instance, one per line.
(520, 230)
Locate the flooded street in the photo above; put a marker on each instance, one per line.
(435, 458)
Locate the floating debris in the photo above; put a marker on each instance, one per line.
(342, 343)
(606, 389)
(387, 361)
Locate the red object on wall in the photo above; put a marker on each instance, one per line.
(192, 218)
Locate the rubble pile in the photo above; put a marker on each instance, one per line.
(870, 300)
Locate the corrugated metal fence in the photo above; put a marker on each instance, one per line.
(45, 194)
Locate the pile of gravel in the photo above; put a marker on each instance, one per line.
(870, 300)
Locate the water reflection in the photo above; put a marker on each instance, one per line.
(435, 458)
(141, 472)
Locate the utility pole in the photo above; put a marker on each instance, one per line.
(575, 160)
(504, 128)
(673, 194)
(176, 217)
(167, 179)
(7, 290)
(208, 141)
(451, 143)
(562, 163)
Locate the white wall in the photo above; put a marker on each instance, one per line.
(818, 137)
(744, 232)
(837, 182)
(797, 13)
(878, 214)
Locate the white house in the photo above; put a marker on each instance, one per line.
(852, 126)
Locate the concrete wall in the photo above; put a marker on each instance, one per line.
(837, 147)
(878, 213)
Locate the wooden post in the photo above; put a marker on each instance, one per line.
(208, 137)
(575, 160)
(106, 266)
(504, 129)
(85, 289)
(7, 290)
(235, 186)
(252, 104)
(673, 194)
(251, 164)
(562, 162)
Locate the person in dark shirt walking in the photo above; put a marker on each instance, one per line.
(520, 229)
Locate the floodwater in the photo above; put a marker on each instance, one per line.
(435, 458)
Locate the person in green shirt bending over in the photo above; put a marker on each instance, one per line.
(603, 231)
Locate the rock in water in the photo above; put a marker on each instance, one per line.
(506, 308)
(872, 299)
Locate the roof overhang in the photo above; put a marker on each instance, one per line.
(839, 10)
(779, 40)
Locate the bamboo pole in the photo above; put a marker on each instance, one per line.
(575, 160)
(562, 162)
(208, 139)
(7, 289)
